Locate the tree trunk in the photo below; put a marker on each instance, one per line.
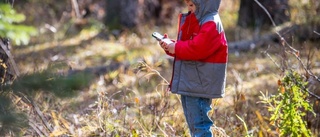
(130, 13)
(252, 15)
(8, 67)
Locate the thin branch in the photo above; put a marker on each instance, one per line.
(35, 128)
(283, 41)
(309, 72)
(265, 52)
(273, 23)
(36, 110)
(306, 89)
(40, 114)
(75, 6)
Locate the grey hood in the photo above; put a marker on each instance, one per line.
(206, 8)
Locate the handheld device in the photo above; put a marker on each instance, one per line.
(157, 35)
(160, 37)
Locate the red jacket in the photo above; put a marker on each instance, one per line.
(205, 43)
(200, 57)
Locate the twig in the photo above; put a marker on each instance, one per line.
(29, 102)
(316, 32)
(284, 42)
(75, 6)
(273, 23)
(265, 52)
(36, 108)
(43, 119)
(155, 71)
(34, 127)
(163, 131)
(310, 73)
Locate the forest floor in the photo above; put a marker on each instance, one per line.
(131, 99)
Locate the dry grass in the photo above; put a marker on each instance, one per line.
(132, 100)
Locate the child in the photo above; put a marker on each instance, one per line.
(200, 61)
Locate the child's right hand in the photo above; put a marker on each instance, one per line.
(164, 45)
(167, 44)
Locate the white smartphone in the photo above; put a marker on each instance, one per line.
(160, 37)
(157, 35)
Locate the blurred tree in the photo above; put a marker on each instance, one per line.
(133, 13)
(252, 15)
(255, 15)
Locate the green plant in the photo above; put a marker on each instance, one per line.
(10, 28)
(290, 106)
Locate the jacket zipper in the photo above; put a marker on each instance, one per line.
(174, 59)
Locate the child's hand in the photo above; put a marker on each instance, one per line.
(171, 48)
(163, 45)
(167, 47)
(165, 35)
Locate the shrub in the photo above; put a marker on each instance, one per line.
(290, 106)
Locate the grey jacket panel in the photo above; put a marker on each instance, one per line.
(199, 79)
(216, 19)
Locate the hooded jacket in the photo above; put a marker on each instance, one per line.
(201, 53)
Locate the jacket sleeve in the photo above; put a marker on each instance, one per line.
(204, 44)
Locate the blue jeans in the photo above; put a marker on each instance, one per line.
(196, 112)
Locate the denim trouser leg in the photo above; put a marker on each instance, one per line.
(196, 112)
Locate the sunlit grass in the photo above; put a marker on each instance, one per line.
(132, 100)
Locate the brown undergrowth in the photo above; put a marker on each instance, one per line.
(132, 100)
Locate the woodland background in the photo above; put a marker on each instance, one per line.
(91, 68)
